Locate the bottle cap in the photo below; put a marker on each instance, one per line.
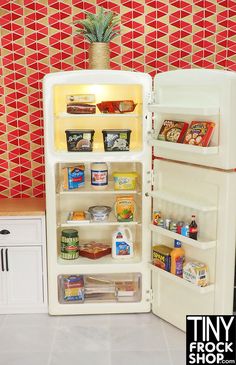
(177, 243)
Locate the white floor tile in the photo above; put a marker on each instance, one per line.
(140, 358)
(81, 357)
(81, 338)
(178, 357)
(32, 320)
(176, 339)
(25, 339)
(19, 358)
(85, 320)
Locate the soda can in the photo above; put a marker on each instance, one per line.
(173, 227)
(185, 230)
(156, 216)
(167, 223)
(180, 224)
(160, 223)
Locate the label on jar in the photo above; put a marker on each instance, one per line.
(99, 178)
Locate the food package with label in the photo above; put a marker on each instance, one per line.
(73, 177)
(94, 250)
(125, 180)
(117, 106)
(78, 104)
(196, 273)
(172, 131)
(73, 286)
(161, 257)
(199, 133)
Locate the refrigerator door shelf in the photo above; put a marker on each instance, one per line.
(184, 110)
(212, 150)
(202, 206)
(202, 245)
(200, 290)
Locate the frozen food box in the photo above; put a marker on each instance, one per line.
(172, 131)
(94, 250)
(73, 288)
(199, 133)
(116, 139)
(79, 140)
(161, 257)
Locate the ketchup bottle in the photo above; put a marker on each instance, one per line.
(193, 230)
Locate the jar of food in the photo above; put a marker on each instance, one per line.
(99, 175)
(69, 244)
(99, 213)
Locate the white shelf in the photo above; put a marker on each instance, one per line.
(201, 290)
(202, 245)
(99, 115)
(186, 110)
(105, 260)
(87, 188)
(202, 206)
(110, 222)
(187, 148)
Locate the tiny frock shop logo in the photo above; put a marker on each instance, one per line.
(211, 340)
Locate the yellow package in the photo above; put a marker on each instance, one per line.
(196, 273)
(124, 208)
(125, 180)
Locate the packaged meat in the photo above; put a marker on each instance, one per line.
(117, 106)
(94, 250)
(161, 257)
(80, 98)
(80, 108)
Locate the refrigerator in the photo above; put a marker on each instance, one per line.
(174, 178)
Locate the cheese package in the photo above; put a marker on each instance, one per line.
(199, 133)
(196, 273)
(172, 131)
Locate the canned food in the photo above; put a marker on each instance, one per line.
(156, 216)
(69, 244)
(167, 223)
(185, 230)
(180, 224)
(160, 222)
(173, 227)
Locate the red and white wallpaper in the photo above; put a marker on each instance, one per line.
(38, 37)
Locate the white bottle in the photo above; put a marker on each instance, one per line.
(122, 244)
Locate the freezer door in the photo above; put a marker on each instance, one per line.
(181, 190)
(197, 95)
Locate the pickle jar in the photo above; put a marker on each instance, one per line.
(69, 244)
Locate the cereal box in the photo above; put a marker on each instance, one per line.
(172, 131)
(199, 133)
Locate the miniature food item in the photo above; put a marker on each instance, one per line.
(199, 133)
(196, 273)
(124, 208)
(99, 175)
(116, 139)
(73, 177)
(125, 180)
(80, 108)
(172, 131)
(118, 106)
(73, 288)
(99, 213)
(79, 140)
(94, 250)
(161, 257)
(69, 244)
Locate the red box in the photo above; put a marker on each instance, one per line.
(199, 133)
(94, 250)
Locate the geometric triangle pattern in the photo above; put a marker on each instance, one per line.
(38, 37)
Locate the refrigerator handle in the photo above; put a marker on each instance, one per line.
(2, 261)
(6, 256)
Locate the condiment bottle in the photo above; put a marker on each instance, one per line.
(99, 175)
(177, 259)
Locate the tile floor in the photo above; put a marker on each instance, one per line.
(130, 339)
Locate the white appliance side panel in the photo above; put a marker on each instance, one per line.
(200, 88)
(210, 194)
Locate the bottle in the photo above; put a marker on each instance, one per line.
(99, 175)
(177, 259)
(193, 230)
(122, 245)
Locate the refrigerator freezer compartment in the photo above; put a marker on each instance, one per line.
(77, 288)
(203, 245)
(185, 109)
(186, 148)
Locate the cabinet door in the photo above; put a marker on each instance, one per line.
(24, 275)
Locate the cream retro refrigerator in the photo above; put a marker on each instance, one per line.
(182, 180)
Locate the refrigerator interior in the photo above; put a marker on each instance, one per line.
(181, 190)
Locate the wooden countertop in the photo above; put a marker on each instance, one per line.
(21, 207)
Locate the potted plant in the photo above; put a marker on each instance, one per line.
(99, 29)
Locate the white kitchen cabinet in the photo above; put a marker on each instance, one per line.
(182, 181)
(23, 273)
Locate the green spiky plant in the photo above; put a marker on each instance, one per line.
(100, 27)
